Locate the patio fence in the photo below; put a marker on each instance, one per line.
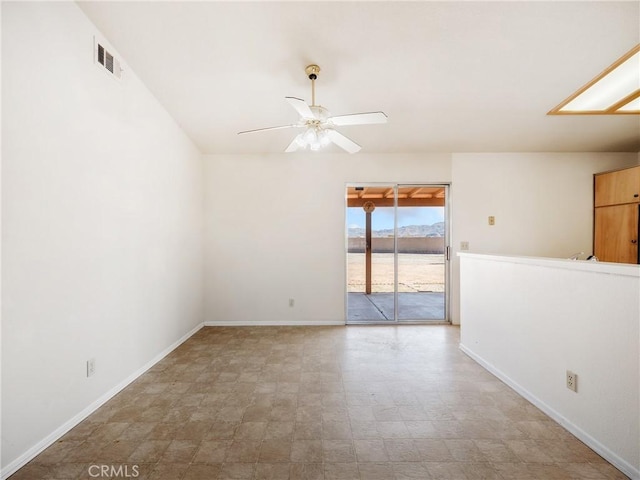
(427, 245)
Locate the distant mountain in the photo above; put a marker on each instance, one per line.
(435, 230)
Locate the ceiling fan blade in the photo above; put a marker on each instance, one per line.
(342, 141)
(301, 107)
(360, 118)
(268, 128)
(294, 145)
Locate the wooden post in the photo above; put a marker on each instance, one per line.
(368, 207)
(367, 255)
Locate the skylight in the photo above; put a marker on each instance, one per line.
(614, 91)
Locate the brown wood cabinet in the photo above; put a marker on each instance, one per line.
(615, 188)
(617, 215)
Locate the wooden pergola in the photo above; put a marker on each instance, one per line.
(371, 197)
(407, 196)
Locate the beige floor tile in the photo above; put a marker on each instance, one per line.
(364, 429)
(168, 471)
(306, 471)
(384, 413)
(279, 430)
(413, 413)
(341, 471)
(316, 403)
(250, 431)
(433, 450)
(481, 471)
(336, 430)
(529, 451)
(243, 451)
(222, 431)
(237, 471)
(392, 430)
(338, 451)
(202, 472)
(275, 450)
(361, 413)
(463, 450)
(583, 471)
(179, 451)
(421, 429)
(409, 470)
(375, 471)
(272, 471)
(370, 451)
(212, 451)
(307, 451)
(307, 431)
(401, 450)
(448, 470)
(609, 471)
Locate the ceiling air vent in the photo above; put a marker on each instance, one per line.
(105, 59)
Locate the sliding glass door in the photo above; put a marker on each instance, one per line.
(397, 263)
(370, 254)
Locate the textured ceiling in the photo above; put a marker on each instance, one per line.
(451, 76)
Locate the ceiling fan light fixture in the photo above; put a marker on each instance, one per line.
(315, 137)
(323, 138)
(319, 124)
(310, 136)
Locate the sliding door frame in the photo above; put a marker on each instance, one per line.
(447, 252)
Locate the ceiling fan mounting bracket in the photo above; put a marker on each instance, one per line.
(312, 71)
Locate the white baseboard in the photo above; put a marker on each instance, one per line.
(27, 456)
(621, 464)
(274, 323)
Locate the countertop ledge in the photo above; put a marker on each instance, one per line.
(626, 270)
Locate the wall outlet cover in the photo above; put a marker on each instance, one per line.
(572, 381)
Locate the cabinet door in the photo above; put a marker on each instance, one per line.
(616, 233)
(614, 188)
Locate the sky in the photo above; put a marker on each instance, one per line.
(382, 217)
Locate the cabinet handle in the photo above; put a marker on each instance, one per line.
(635, 195)
(634, 241)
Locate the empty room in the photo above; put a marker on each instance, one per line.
(320, 240)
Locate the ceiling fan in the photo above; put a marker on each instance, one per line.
(318, 123)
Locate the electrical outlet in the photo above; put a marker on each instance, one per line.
(572, 381)
(291, 302)
(464, 245)
(91, 367)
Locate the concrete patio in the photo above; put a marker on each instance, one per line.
(378, 307)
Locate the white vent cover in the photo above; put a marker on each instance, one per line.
(106, 60)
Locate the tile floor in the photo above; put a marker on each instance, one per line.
(357, 402)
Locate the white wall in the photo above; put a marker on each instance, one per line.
(275, 230)
(101, 226)
(256, 260)
(542, 203)
(529, 321)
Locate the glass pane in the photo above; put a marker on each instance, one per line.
(396, 279)
(421, 253)
(370, 262)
